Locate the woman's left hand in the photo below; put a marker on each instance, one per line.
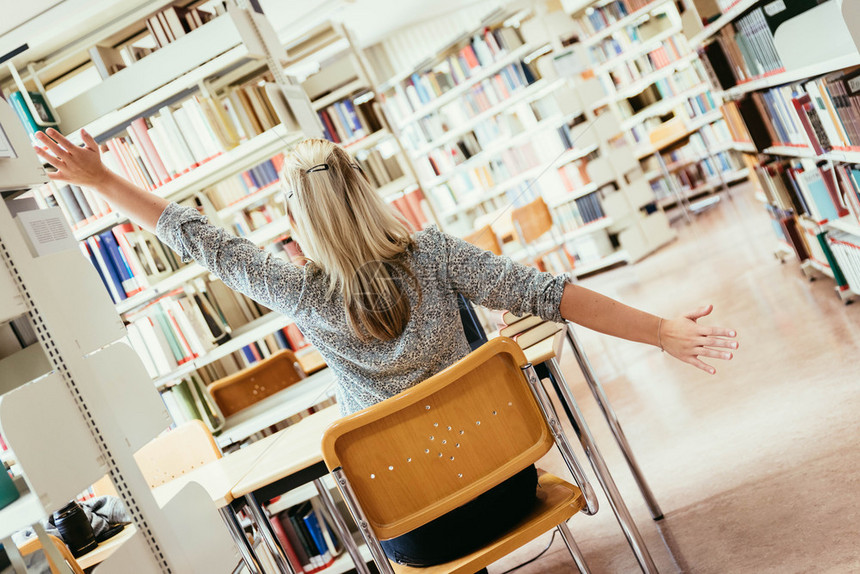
(687, 341)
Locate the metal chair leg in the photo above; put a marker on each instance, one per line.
(619, 508)
(612, 421)
(268, 535)
(574, 550)
(248, 555)
(341, 528)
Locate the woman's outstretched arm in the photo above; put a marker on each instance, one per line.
(241, 264)
(683, 338)
(83, 166)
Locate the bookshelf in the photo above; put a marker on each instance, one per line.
(83, 377)
(656, 85)
(210, 78)
(790, 102)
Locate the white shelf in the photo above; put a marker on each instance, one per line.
(246, 154)
(395, 186)
(819, 69)
(695, 125)
(574, 154)
(709, 185)
(246, 335)
(644, 48)
(250, 199)
(662, 106)
(573, 195)
(20, 514)
(339, 94)
(619, 256)
(536, 90)
(791, 151)
(367, 141)
(451, 94)
(509, 142)
(845, 224)
(645, 81)
(623, 22)
(717, 24)
(746, 147)
(843, 156)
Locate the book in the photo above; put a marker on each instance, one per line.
(537, 334)
(43, 112)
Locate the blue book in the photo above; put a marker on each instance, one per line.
(282, 340)
(109, 268)
(98, 267)
(249, 354)
(419, 88)
(310, 519)
(353, 117)
(129, 282)
(269, 168)
(338, 108)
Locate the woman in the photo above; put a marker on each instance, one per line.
(380, 304)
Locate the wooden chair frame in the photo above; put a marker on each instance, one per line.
(70, 564)
(534, 399)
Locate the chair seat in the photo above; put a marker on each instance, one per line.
(558, 500)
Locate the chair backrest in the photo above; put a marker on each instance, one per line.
(532, 220)
(486, 239)
(176, 452)
(441, 443)
(263, 379)
(34, 545)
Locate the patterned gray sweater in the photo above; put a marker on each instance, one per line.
(370, 372)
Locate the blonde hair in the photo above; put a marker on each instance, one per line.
(345, 228)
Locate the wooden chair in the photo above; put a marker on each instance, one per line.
(34, 545)
(486, 239)
(532, 222)
(411, 458)
(176, 452)
(263, 379)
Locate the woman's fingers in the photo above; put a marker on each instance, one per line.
(700, 312)
(50, 158)
(713, 354)
(718, 342)
(717, 331)
(61, 139)
(89, 141)
(52, 145)
(701, 365)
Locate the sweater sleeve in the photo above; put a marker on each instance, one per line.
(498, 282)
(241, 264)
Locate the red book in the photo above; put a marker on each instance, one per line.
(415, 198)
(833, 190)
(471, 59)
(329, 126)
(294, 337)
(141, 134)
(292, 557)
(402, 205)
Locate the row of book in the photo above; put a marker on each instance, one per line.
(742, 51)
(601, 17)
(568, 217)
(823, 113)
(412, 206)
(252, 218)
(307, 535)
(380, 165)
(574, 175)
(669, 51)
(345, 121)
(482, 50)
(174, 22)
(247, 183)
(479, 98)
(811, 190)
(129, 260)
(629, 37)
(846, 250)
(664, 88)
(188, 400)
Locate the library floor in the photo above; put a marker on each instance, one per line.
(757, 468)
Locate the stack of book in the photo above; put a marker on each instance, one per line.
(589, 207)
(846, 250)
(527, 330)
(188, 400)
(669, 51)
(306, 533)
(412, 205)
(742, 51)
(80, 205)
(482, 50)
(344, 121)
(379, 168)
(735, 122)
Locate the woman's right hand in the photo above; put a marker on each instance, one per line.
(76, 165)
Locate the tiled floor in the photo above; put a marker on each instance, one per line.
(757, 468)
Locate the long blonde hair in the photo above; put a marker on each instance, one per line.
(345, 228)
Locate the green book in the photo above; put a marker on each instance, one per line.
(20, 107)
(185, 400)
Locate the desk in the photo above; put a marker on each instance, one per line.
(296, 459)
(545, 354)
(106, 548)
(218, 478)
(276, 408)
